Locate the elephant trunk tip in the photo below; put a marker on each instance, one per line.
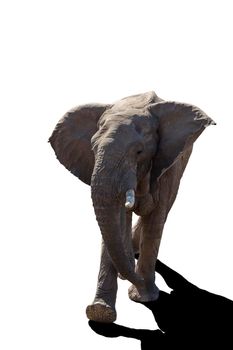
(130, 199)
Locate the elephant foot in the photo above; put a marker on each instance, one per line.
(101, 312)
(143, 295)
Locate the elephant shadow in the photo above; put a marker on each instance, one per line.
(188, 317)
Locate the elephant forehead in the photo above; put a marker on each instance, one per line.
(124, 116)
(116, 117)
(127, 122)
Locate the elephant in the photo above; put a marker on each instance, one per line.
(133, 154)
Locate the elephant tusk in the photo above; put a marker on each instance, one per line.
(130, 199)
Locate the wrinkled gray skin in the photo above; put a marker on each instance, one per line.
(141, 143)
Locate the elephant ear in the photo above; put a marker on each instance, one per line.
(179, 125)
(71, 139)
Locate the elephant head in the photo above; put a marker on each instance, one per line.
(115, 147)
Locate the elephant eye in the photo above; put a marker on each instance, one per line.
(138, 149)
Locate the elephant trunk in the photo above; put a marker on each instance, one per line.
(108, 203)
(109, 221)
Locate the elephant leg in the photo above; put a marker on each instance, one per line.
(144, 206)
(136, 236)
(126, 225)
(103, 307)
(150, 228)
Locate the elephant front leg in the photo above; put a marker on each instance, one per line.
(103, 307)
(150, 228)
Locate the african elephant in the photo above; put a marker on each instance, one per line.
(133, 154)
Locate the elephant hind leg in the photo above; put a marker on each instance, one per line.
(136, 233)
(136, 236)
(147, 237)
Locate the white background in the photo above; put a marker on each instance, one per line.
(58, 54)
